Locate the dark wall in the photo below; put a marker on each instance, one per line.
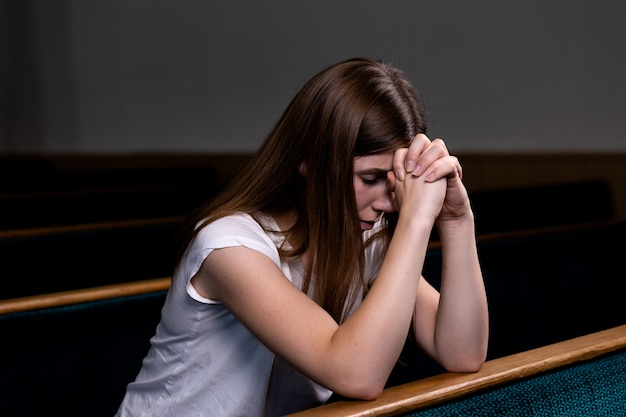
(166, 76)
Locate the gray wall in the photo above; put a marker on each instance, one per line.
(206, 76)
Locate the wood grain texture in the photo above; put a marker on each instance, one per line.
(83, 295)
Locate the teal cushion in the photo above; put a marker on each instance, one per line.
(591, 388)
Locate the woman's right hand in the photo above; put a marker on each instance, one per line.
(419, 177)
(415, 196)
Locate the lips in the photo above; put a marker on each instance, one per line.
(367, 225)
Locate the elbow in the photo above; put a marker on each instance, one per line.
(362, 393)
(463, 357)
(465, 364)
(371, 391)
(365, 389)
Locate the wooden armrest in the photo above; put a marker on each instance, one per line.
(83, 295)
(444, 387)
(88, 227)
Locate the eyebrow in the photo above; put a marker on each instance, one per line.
(373, 171)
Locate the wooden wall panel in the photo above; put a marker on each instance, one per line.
(488, 171)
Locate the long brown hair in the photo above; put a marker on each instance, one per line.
(357, 107)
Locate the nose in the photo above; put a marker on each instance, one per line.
(385, 202)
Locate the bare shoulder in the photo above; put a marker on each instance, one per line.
(231, 269)
(257, 292)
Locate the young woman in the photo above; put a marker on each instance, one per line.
(303, 278)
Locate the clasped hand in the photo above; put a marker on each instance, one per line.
(426, 180)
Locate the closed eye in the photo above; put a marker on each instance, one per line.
(373, 180)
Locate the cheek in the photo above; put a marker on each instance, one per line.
(360, 195)
(364, 196)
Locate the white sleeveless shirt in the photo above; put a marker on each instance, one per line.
(203, 361)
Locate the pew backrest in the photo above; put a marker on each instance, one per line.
(548, 285)
(73, 353)
(62, 258)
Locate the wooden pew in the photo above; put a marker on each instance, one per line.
(48, 189)
(66, 298)
(81, 356)
(548, 285)
(73, 353)
(58, 208)
(543, 286)
(52, 259)
(492, 390)
(58, 258)
(40, 190)
(77, 350)
(541, 206)
(84, 367)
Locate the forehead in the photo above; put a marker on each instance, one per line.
(380, 161)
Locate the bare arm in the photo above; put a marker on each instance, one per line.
(451, 325)
(353, 359)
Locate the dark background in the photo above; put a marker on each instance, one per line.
(116, 76)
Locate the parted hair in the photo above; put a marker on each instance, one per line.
(357, 107)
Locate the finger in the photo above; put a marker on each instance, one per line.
(392, 185)
(391, 181)
(418, 145)
(444, 167)
(399, 156)
(434, 151)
